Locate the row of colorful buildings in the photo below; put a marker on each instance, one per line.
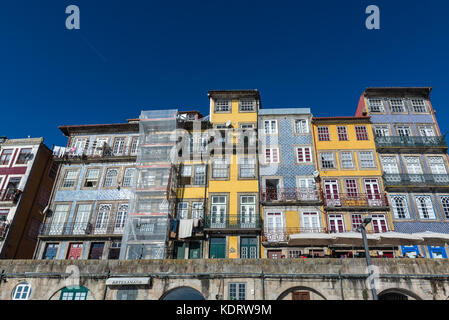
(239, 182)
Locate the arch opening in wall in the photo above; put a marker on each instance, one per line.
(397, 294)
(182, 293)
(301, 293)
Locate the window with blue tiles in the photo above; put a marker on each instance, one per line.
(400, 206)
(445, 205)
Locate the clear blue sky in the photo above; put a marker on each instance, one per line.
(133, 55)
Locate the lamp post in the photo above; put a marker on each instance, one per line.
(362, 229)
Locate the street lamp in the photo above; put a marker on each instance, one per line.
(362, 229)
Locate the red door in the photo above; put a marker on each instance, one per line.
(75, 251)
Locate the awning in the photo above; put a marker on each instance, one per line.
(433, 238)
(397, 238)
(354, 238)
(310, 239)
(128, 281)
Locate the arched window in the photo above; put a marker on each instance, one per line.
(22, 291)
(111, 178)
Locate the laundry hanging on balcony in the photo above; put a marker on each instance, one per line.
(185, 228)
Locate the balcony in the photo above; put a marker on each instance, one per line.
(3, 229)
(358, 201)
(393, 180)
(232, 222)
(10, 195)
(80, 229)
(289, 195)
(281, 235)
(408, 143)
(103, 153)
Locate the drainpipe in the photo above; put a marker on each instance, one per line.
(105, 286)
(341, 285)
(262, 278)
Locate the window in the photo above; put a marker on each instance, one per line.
(127, 293)
(301, 126)
(134, 144)
(128, 178)
(425, 207)
(59, 218)
(111, 178)
(294, 253)
(379, 223)
(218, 211)
(24, 156)
(102, 218)
(247, 167)
(336, 223)
(342, 134)
(248, 210)
(50, 251)
(404, 131)
(122, 213)
(200, 175)
(197, 210)
(413, 165)
(346, 160)
(390, 165)
(418, 105)
(381, 131)
(366, 159)
(351, 187)
(119, 145)
(247, 105)
(270, 126)
(82, 219)
(437, 165)
(327, 160)
(186, 175)
(22, 291)
(80, 144)
(400, 207)
(5, 157)
(445, 205)
(310, 222)
(375, 105)
(53, 170)
(303, 155)
(427, 131)
(114, 250)
(323, 134)
(69, 179)
(222, 105)
(96, 250)
(361, 133)
(183, 210)
(237, 291)
(220, 168)
(92, 176)
(271, 155)
(356, 220)
(73, 293)
(397, 105)
(3, 214)
(99, 146)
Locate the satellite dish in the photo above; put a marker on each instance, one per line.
(316, 173)
(228, 123)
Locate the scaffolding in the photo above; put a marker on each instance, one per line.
(146, 231)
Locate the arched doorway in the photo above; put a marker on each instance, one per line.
(397, 294)
(182, 293)
(301, 293)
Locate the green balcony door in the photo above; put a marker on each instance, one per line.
(180, 250)
(217, 249)
(195, 250)
(248, 248)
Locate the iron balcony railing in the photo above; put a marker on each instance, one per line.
(403, 179)
(289, 194)
(3, 229)
(282, 234)
(414, 141)
(10, 195)
(355, 200)
(105, 151)
(238, 221)
(78, 229)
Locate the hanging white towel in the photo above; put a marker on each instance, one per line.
(195, 223)
(185, 228)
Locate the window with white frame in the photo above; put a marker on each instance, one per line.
(413, 165)
(306, 183)
(379, 223)
(400, 206)
(200, 175)
(197, 210)
(248, 209)
(218, 211)
(323, 134)
(336, 223)
(247, 105)
(92, 177)
(186, 175)
(404, 131)
(366, 159)
(381, 131)
(223, 105)
(445, 205)
(346, 160)
(418, 105)
(183, 210)
(80, 144)
(375, 105)
(247, 167)
(237, 291)
(270, 126)
(82, 218)
(58, 219)
(122, 213)
(397, 105)
(128, 177)
(103, 214)
(111, 177)
(22, 291)
(24, 156)
(425, 207)
(272, 155)
(301, 126)
(5, 156)
(436, 165)
(220, 168)
(342, 133)
(303, 154)
(390, 165)
(356, 221)
(119, 146)
(294, 253)
(69, 179)
(327, 160)
(427, 131)
(310, 222)
(351, 187)
(134, 145)
(99, 145)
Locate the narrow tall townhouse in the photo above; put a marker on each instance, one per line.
(350, 176)
(90, 199)
(413, 156)
(289, 195)
(27, 174)
(232, 223)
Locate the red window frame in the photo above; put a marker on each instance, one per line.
(323, 134)
(361, 133)
(342, 134)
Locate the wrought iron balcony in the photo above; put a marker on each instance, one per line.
(410, 142)
(273, 195)
(10, 195)
(3, 229)
(236, 221)
(80, 229)
(104, 152)
(282, 234)
(355, 201)
(416, 180)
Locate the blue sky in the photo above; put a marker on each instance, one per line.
(133, 55)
